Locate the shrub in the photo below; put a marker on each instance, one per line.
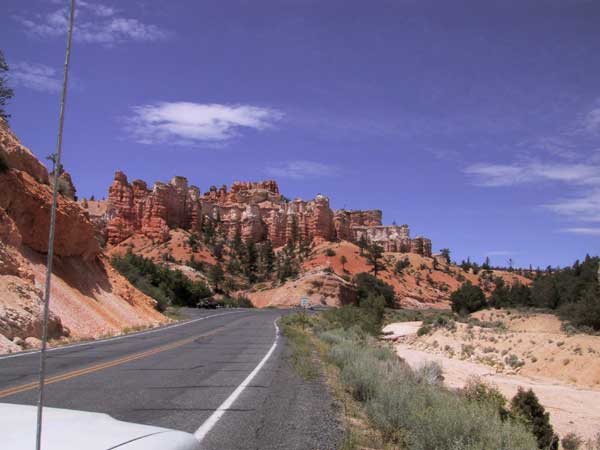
(401, 265)
(368, 317)
(430, 373)
(411, 409)
(571, 441)
(330, 252)
(585, 312)
(166, 286)
(424, 329)
(526, 407)
(514, 361)
(367, 284)
(193, 242)
(467, 299)
(241, 301)
(360, 375)
(467, 350)
(477, 391)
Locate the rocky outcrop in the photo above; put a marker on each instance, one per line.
(21, 310)
(320, 287)
(88, 298)
(25, 197)
(393, 238)
(134, 208)
(28, 202)
(17, 156)
(65, 185)
(256, 210)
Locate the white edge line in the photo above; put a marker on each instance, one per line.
(116, 338)
(209, 423)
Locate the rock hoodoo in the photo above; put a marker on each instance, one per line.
(256, 210)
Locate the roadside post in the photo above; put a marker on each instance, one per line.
(303, 305)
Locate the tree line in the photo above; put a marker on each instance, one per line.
(573, 293)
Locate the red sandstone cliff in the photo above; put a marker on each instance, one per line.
(88, 297)
(256, 210)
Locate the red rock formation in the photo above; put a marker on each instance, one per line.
(65, 185)
(27, 202)
(371, 218)
(132, 208)
(87, 296)
(257, 210)
(18, 156)
(122, 214)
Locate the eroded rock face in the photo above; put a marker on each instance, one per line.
(393, 238)
(27, 202)
(88, 297)
(256, 210)
(65, 185)
(319, 287)
(21, 310)
(19, 157)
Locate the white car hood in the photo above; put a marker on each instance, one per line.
(65, 429)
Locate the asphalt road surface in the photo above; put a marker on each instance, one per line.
(180, 376)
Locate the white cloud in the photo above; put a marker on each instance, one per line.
(299, 170)
(507, 175)
(94, 23)
(585, 207)
(584, 231)
(574, 167)
(186, 123)
(38, 77)
(585, 178)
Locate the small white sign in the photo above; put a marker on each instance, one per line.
(304, 302)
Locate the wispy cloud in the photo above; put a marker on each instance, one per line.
(38, 77)
(186, 123)
(584, 231)
(585, 207)
(572, 162)
(95, 23)
(584, 179)
(299, 170)
(520, 173)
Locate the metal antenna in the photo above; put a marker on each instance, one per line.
(56, 167)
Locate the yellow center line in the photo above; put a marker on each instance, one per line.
(95, 368)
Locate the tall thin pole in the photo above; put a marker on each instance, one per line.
(56, 169)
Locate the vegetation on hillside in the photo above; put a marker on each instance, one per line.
(6, 92)
(467, 299)
(572, 292)
(166, 286)
(367, 284)
(526, 408)
(393, 406)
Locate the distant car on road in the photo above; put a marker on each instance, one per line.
(208, 303)
(65, 429)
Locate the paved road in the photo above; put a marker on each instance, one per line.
(178, 376)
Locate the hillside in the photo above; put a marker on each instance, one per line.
(88, 298)
(425, 282)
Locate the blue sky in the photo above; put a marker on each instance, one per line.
(475, 122)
